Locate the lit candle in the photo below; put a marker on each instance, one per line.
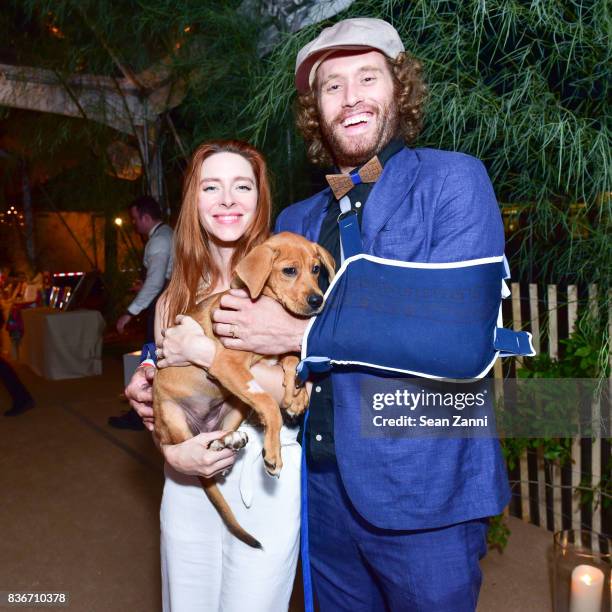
(587, 589)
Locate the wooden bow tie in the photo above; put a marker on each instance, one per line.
(341, 184)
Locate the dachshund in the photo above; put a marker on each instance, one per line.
(187, 401)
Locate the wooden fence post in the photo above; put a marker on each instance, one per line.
(576, 452)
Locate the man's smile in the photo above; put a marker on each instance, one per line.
(357, 123)
(363, 117)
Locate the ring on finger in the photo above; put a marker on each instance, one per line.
(233, 331)
(159, 353)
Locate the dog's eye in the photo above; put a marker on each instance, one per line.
(289, 271)
(316, 269)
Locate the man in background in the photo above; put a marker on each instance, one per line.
(145, 214)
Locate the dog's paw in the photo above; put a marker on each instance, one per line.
(234, 440)
(290, 420)
(272, 462)
(297, 403)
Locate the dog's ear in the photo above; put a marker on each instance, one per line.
(253, 270)
(328, 261)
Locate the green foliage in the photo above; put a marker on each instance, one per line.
(520, 85)
(554, 449)
(599, 494)
(498, 534)
(209, 48)
(585, 356)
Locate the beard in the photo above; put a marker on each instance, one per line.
(349, 152)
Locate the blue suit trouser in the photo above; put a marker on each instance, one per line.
(360, 568)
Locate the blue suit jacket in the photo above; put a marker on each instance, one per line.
(428, 206)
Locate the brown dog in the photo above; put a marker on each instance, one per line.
(186, 402)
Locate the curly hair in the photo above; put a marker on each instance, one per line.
(410, 97)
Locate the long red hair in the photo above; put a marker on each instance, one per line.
(193, 262)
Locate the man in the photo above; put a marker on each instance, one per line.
(146, 216)
(393, 524)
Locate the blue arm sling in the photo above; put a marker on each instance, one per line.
(436, 320)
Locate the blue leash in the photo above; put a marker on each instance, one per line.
(351, 245)
(304, 548)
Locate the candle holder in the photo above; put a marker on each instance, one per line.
(581, 573)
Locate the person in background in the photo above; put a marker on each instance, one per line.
(145, 213)
(6, 290)
(22, 400)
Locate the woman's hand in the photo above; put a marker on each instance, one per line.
(193, 457)
(185, 344)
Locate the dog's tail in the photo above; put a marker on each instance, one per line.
(218, 501)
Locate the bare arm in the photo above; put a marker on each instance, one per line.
(183, 343)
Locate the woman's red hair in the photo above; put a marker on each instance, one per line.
(193, 262)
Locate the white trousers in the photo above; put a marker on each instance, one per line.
(207, 569)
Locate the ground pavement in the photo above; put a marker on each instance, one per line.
(80, 507)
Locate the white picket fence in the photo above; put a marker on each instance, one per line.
(547, 493)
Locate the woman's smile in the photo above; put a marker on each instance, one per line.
(227, 219)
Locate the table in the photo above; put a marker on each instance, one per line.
(58, 345)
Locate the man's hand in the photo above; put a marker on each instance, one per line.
(262, 326)
(122, 321)
(140, 394)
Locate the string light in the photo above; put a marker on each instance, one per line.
(14, 214)
(118, 221)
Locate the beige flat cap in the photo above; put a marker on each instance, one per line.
(357, 33)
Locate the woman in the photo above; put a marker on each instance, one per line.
(225, 213)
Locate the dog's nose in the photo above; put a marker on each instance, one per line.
(314, 300)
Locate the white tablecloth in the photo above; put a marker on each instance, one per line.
(58, 345)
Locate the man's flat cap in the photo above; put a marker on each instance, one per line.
(351, 34)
